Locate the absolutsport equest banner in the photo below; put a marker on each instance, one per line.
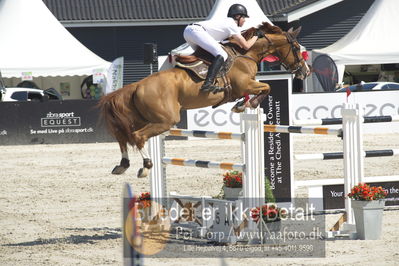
(52, 122)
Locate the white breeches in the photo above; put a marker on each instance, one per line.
(197, 36)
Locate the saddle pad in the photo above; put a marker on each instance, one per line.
(200, 69)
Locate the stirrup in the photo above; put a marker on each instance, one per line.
(207, 87)
(217, 89)
(211, 88)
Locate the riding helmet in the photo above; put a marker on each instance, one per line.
(237, 9)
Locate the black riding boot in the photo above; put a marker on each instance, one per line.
(212, 72)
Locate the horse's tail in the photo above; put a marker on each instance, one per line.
(117, 112)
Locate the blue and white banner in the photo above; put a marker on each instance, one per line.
(115, 76)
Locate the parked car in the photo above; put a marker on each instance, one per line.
(28, 94)
(372, 86)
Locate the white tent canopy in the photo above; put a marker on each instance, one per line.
(374, 40)
(256, 15)
(32, 40)
(220, 10)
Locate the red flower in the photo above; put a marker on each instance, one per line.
(232, 179)
(144, 200)
(270, 213)
(364, 192)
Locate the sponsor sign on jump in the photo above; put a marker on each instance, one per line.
(334, 196)
(278, 145)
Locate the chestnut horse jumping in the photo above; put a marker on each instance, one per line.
(151, 106)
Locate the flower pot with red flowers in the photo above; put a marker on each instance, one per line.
(270, 213)
(368, 207)
(144, 205)
(271, 219)
(232, 184)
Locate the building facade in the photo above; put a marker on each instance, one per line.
(120, 28)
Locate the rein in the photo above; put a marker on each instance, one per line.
(282, 61)
(248, 57)
(292, 49)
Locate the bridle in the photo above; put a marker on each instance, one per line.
(295, 50)
(291, 41)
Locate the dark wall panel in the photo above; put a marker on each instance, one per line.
(112, 42)
(327, 26)
(319, 30)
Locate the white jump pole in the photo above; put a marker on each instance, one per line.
(353, 151)
(156, 149)
(252, 150)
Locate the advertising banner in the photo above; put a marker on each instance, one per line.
(334, 197)
(115, 76)
(55, 122)
(72, 121)
(278, 146)
(218, 119)
(329, 105)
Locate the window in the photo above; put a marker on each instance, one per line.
(390, 86)
(34, 96)
(364, 87)
(20, 96)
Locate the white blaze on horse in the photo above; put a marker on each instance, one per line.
(151, 106)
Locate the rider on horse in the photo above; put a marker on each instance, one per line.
(207, 35)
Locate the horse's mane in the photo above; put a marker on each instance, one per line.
(266, 27)
(269, 28)
(247, 34)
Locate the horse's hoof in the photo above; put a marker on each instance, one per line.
(257, 100)
(147, 163)
(118, 170)
(143, 172)
(238, 107)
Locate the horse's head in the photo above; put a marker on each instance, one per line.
(286, 47)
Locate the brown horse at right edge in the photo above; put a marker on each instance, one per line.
(151, 106)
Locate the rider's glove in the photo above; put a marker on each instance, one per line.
(259, 33)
